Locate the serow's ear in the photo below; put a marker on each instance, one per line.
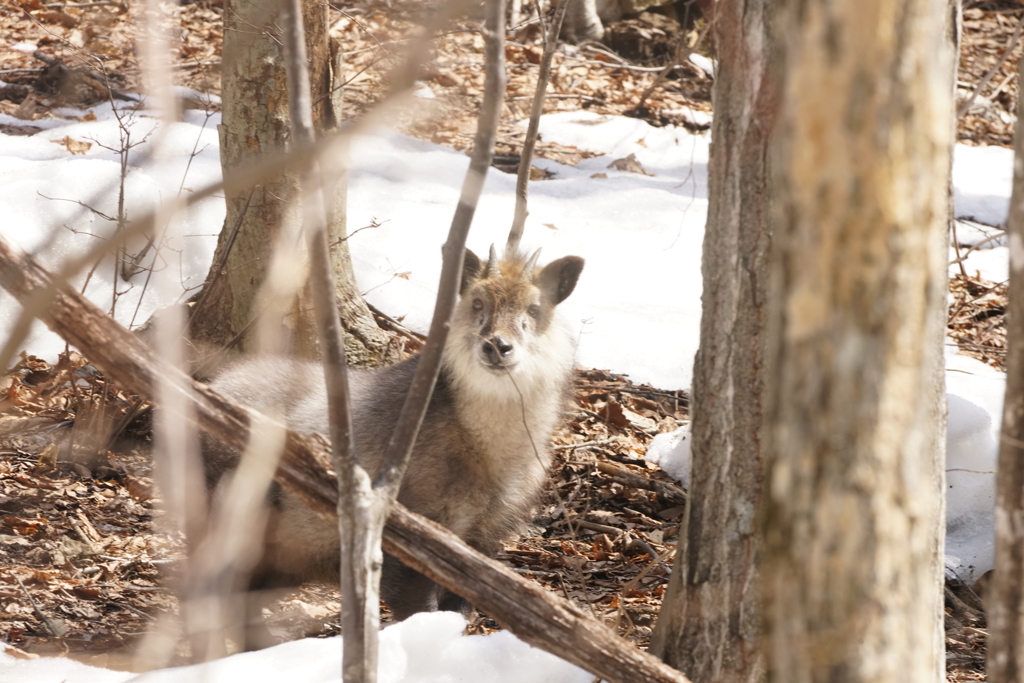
(470, 270)
(558, 278)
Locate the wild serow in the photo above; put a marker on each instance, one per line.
(482, 454)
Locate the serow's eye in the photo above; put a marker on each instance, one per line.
(478, 305)
(533, 311)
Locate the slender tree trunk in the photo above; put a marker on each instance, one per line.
(853, 569)
(255, 123)
(710, 621)
(1006, 604)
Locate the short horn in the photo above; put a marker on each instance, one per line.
(530, 265)
(492, 262)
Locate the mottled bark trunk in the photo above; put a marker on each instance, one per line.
(709, 625)
(255, 123)
(853, 568)
(365, 343)
(1006, 604)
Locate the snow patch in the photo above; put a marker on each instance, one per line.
(671, 452)
(982, 180)
(426, 648)
(975, 398)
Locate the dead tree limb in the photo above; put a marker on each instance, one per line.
(539, 618)
(536, 109)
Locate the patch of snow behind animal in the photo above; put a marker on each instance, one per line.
(975, 397)
(671, 452)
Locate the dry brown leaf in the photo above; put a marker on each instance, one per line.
(53, 17)
(139, 488)
(72, 145)
(29, 108)
(630, 164)
(29, 527)
(88, 592)
(16, 653)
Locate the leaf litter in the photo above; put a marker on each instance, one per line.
(88, 565)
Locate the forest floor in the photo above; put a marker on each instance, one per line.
(87, 565)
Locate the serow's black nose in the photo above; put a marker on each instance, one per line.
(497, 349)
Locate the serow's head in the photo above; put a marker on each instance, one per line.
(503, 322)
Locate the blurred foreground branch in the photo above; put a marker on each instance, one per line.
(362, 509)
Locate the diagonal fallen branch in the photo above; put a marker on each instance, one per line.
(537, 617)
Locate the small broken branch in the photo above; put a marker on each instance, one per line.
(35, 607)
(1012, 43)
(390, 323)
(669, 492)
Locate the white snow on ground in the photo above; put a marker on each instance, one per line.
(636, 309)
(982, 180)
(671, 452)
(637, 305)
(975, 395)
(426, 648)
(41, 183)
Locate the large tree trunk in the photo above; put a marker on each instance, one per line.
(255, 123)
(853, 569)
(1006, 602)
(710, 621)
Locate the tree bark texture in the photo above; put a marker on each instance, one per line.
(710, 624)
(1005, 604)
(853, 564)
(256, 124)
(366, 344)
(536, 616)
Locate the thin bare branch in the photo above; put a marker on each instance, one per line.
(360, 521)
(389, 477)
(1010, 44)
(515, 235)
